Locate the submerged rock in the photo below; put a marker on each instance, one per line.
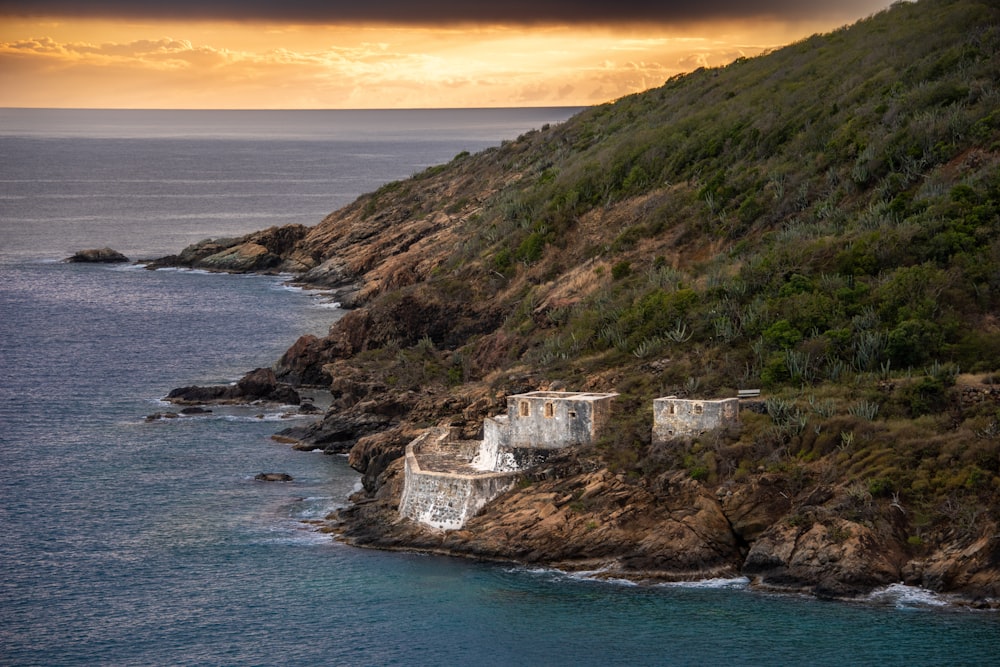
(97, 256)
(273, 477)
(157, 416)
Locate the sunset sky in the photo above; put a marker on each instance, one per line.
(307, 54)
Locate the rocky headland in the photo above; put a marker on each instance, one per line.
(818, 223)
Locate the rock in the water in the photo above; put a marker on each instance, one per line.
(98, 256)
(156, 416)
(195, 394)
(241, 258)
(262, 251)
(273, 477)
(257, 385)
(261, 384)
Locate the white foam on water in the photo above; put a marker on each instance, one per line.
(127, 266)
(264, 417)
(297, 534)
(184, 269)
(555, 574)
(908, 597)
(717, 583)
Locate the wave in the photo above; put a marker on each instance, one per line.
(735, 583)
(328, 305)
(264, 416)
(555, 575)
(902, 596)
(321, 297)
(600, 575)
(184, 269)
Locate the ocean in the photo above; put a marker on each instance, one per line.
(127, 542)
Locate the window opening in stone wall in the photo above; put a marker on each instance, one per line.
(549, 410)
(698, 409)
(572, 414)
(670, 409)
(523, 406)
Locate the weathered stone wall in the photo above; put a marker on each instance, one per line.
(553, 420)
(673, 417)
(496, 435)
(535, 425)
(446, 500)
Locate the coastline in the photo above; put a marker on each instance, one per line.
(898, 595)
(848, 561)
(373, 523)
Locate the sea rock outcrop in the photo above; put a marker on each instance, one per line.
(97, 256)
(834, 558)
(273, 477)
(261, 252)
(258, 385)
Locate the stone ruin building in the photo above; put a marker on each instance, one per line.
(538, 423)
(678, 417)
(447, 481)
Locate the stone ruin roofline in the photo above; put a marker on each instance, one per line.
(580, 396)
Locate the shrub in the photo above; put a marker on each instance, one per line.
(621, 270)
(914, 342)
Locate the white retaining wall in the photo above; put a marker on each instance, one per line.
(446, 500)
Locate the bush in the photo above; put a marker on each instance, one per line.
(913, 343)
(621, 270)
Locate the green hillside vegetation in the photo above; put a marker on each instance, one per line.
(821, 222)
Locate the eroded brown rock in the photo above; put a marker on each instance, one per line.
(834, 558)
(257, 385)
(97, 256)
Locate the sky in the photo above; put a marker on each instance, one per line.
(330, 54)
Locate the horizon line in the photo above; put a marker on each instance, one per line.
(257, 109)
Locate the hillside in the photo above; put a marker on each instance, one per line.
(821, 222)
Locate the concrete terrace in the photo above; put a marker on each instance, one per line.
(442, 489)
(447, 455)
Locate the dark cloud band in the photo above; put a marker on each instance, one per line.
(448, 11)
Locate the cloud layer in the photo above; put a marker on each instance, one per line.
(379, 53)
(437, 12)
(350, 70)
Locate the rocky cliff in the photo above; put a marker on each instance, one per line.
(820, 223)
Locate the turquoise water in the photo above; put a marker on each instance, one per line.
(134, 543)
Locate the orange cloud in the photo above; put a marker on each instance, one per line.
(96, 63)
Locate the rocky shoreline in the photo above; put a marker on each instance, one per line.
(592, 520)
(826, 538)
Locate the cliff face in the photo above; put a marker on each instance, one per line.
(577, 515)
(820, 223)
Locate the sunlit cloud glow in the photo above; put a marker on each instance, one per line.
(155, 63)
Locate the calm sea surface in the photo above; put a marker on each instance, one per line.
(124, 542)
